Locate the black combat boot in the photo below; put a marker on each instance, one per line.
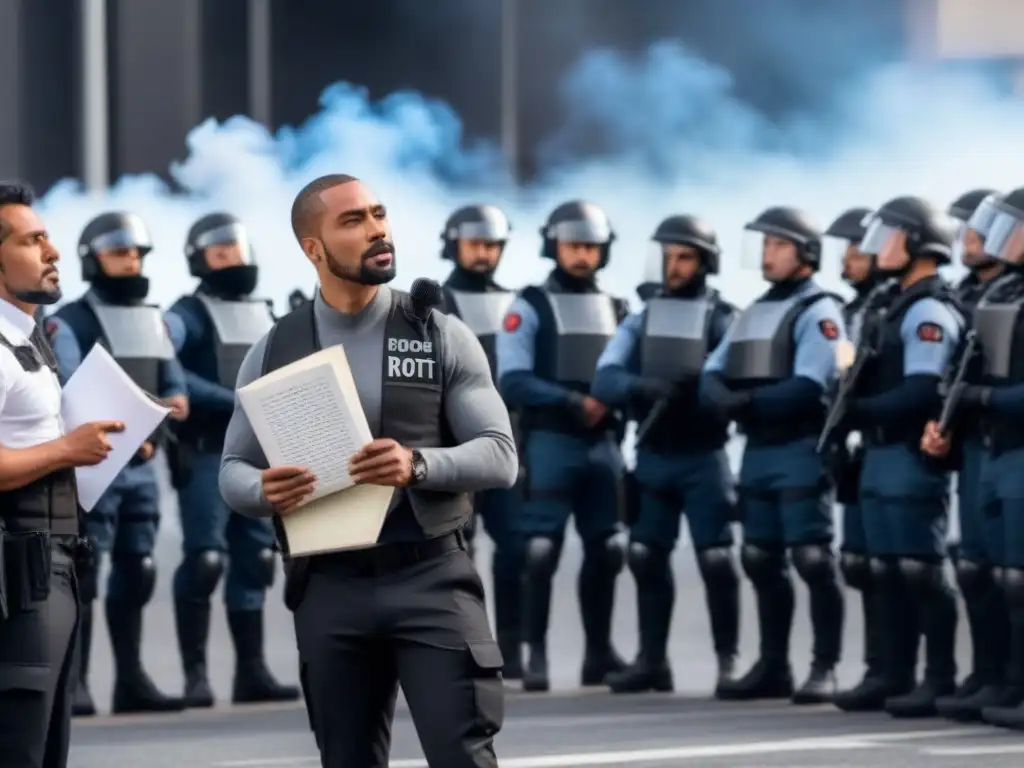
(134, 691)
(863, 696)
(936, 604)
(596, 591)
(816, 566)
(988, 620)
(508, 605)
(1009, 713)
(771, 676)
(655, 599)
(82, 704)
(253, 681)
(192, 620)
(536, 610)
(722, 595)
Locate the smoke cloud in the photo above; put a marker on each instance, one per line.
(673, 138)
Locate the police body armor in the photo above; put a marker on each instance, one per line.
(134, 335)
(673, 348)
(762, 351)
(583, 324)
(999, 325)
(412, 397)
(237, 325)
(482, 312)
(49, 504)
(885, 370)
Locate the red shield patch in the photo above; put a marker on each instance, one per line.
(512, 322)
(931, 332)
(829, 329)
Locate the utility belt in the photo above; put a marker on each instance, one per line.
(893, 434)
(381, 560)
(27, 561)
(781, 433)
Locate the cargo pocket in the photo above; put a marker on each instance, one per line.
(488, 689)
(24, 678)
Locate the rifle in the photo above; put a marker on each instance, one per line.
(956, 387)
(848, 382)
(653, 418)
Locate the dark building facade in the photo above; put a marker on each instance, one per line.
(171, 64)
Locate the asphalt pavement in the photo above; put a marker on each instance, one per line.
(567, 727)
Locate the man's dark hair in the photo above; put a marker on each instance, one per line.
(14, 193)
(307, 207)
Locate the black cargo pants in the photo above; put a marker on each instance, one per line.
(400, 614)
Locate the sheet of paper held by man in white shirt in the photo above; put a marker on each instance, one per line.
(100, 390)
(308, 414)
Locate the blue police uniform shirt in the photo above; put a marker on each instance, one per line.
(515, 347)
(189, 331)
(815, 334)
(930, 332)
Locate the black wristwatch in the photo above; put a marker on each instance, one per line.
(419, 468)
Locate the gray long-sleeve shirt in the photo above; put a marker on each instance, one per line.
(484, 456)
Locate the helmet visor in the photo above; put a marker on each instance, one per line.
(227, 235)
(493, 228)
(131, 234)
(876, 236)
(590, 231)
(1005, 238)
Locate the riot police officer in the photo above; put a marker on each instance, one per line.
(848, 461)
(769, 375)
(903, 493)
(976, 555)
(652, 369)
(999, 400)
(473, 240)
(212, 329)
(548, 350)
(124, 523)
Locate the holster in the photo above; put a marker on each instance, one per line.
(846, 476)
(87, 564)
(26, 563)
(179, 460)
(630, 501)
(296, 580)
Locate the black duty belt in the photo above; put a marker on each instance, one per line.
(387, 558)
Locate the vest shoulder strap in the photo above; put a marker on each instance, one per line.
(293, 337)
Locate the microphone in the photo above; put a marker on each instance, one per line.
(425, 294)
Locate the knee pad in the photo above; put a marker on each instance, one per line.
(542, 555)
(1013, 587)
(207, 568)
(814, 563)
(973, 578)
(763, 566)
(609, 555)
(920, 575)
(856, 570)
(139, 572)
(267, 566)
(717, 565)
(646, 563)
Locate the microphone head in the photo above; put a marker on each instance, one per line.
(426, 293)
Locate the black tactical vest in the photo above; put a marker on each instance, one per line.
(51, 502)
(134, 335)
(675, 344)
(237, 325)
(482, 312)
(412, 397)
(761, 346)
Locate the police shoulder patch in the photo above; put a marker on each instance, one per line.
(512, 322)
(931, 332)
(828, 329)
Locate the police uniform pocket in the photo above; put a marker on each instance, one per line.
(29, 678)
(488, 689)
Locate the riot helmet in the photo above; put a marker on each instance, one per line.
(841, 245)
(112, 247)
(693, 232)
(486, 224)
(577, 222)
(928, 233)
(220, 254)
(1004, 238)
(782, 223)
(968, 244)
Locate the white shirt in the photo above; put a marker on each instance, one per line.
(29, 402)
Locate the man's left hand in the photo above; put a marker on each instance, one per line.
(178, 405)
(382, 462)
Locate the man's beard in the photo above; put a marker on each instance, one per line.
(38, 294)
(365, 275)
